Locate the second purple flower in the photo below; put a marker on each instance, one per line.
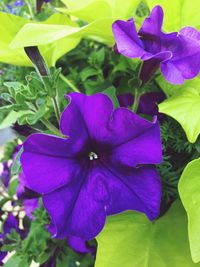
(177, 53)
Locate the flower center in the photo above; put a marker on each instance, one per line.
(93, 156)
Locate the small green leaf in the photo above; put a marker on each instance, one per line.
(184, 107)
(12, 187)
(131, 240)
(16, 164)
(16, 261)
(189, 185)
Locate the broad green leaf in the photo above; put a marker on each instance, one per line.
(90, 10)
(9, 26)
(16, 261)
(101, 14)
(184, 107)
(178, 13)
(171, 89)
(44, 34)
(131, 240)
(12, 117)
(17, 55)
(189, 190)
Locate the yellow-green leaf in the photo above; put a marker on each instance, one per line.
(184, 106)
(17, 56)
(178, 13)
(131, 240)
(189, 190)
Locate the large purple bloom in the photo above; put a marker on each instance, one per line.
(102, 167)
(177, 54)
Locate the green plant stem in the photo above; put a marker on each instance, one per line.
(136, 100)
(30, 9)
(56, 108)
(51, 127)
(69, 83)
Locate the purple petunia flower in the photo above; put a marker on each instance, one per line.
(177, 54)
(30, 198)
(148, 103)
(19, 3)
(102, 167)
(5, 175)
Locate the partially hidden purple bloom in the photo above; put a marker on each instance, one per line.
(148, 103)
(10, 223)
(79, 245)
(5, 175)
(29, 198)
(19, 3)
(103, 166)
(177, 53)
(39, 4)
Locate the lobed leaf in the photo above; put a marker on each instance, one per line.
(189, 185)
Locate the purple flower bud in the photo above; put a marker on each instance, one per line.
(19, 3)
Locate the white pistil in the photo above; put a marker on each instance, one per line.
(93, 156)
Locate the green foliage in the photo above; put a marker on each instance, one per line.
(177, 152)
(91, 10)
(130, 239)
(184, 107)
(189, 192)
(16, 55)
(178, 13)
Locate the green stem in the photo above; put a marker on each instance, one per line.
(69, 83)
(30, 9)
(51, 127)
(136, 100)
(56, 108)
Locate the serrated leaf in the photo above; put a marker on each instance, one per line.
(131, 240)
(178, 13)
(184, 107)
(189, 185)
(16, 164)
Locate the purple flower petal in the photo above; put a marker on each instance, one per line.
(136, 138)
(29, 206)
(129, 189)
(10, 223)
(48, 156)
(79, 245)
(153, 24)
(80, 206)
(127, 40)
